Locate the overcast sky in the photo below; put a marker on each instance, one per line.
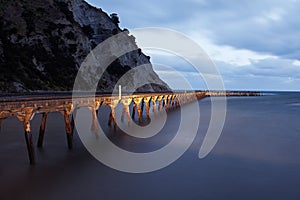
(254, 44)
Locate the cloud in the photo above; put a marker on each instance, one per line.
(267, 74)
(253, 43)
(178, 79)
(270, 73)
(259, 25)
(296, 63)
(265, 26)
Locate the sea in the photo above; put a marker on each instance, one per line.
(256, 157)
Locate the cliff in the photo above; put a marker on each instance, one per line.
(44, 42)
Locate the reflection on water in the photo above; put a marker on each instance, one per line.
(257, 157)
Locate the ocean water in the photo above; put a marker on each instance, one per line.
(256, 157)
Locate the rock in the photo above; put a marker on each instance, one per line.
(44, 42)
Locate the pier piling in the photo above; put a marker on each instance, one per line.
(147, 101)
(25, 108)
(95, 124)
(25, 116)
(154, 99)
(112, 118)
(139, 107)
(42, 130)
(126, 110)
(73, 119)
(1, 123)
(29, 143)
(68, 129)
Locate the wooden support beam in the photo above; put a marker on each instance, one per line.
(42, 130)
(123, 113)
(25, 116)
(73, 120)
(112, 118)
(97, 105)
(177, 103)
(126, 110)
(68, 128)
(160, 107)
(183, 100)
(137, 107)
(95, 124)
(142, 105)
(133, 111)
(160, 103)
(147, 101)
(173, 102)
(94, 107)
(168, 102)
(148, 110)
(1, 123)
(188, 99)
(154, 106)
(140, 112)
(164, 101)
(126, 103)
(29, 143)
(154, 99)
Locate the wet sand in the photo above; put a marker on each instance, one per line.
(257, 157)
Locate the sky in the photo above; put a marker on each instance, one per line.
(254, 44)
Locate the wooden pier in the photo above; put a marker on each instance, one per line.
(25, 108)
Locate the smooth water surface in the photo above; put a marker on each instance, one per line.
(257, 157)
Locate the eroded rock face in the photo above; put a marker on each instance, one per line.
(44, 42)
